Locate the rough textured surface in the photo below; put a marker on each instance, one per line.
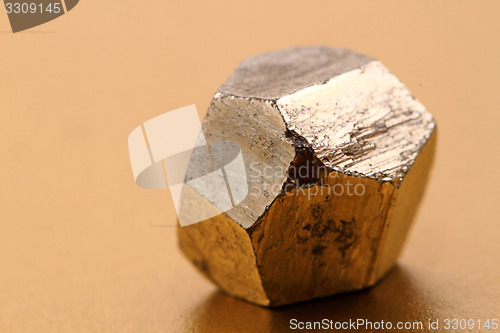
(349, 123)
(291, 70)
(363, 122)
(257, 127)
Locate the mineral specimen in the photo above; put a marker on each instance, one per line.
(337, 153)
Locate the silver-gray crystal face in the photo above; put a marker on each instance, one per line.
(347, 108)
(363, 122)
(277, 74)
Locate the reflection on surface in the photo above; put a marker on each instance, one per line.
(395, 298)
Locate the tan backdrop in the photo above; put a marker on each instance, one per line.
(80, 249)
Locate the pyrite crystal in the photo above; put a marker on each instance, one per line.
(337, 153)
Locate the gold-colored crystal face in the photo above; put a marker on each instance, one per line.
(337, 152)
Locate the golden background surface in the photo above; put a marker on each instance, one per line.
(83, 249)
